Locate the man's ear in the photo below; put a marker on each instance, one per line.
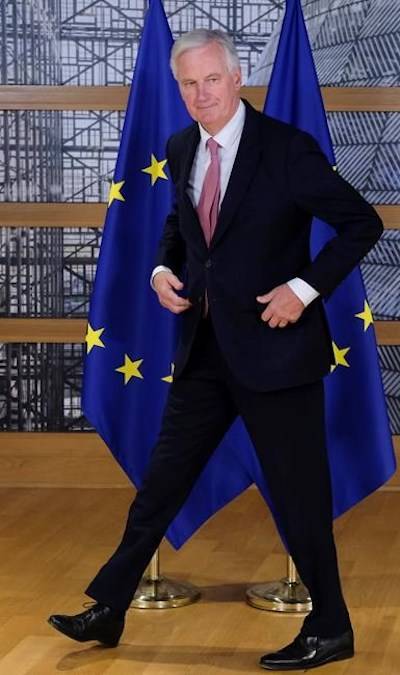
(237, 78)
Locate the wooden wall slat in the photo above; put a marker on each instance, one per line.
(342, 99)
(57, 214)
(387, 332)
(390, 214)
(29, 214)
(73, 331)
(58, 459)
(42, 330)
(361, 99)
(37, 97)
(75, 460)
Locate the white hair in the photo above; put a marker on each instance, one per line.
(201, 37)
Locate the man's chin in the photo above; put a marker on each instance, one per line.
(207, 119)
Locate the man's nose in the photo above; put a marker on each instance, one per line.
(201, 92)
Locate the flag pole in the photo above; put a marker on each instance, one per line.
(287, 595)
(158, 592)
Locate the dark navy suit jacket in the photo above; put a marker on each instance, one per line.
(279, 181)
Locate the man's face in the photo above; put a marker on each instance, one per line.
(209, 89)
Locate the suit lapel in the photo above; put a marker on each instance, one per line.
(191, 146)
(191, 217)
(243, 170)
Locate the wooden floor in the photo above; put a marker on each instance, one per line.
(52, 542)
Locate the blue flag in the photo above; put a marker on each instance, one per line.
(358, 434)
(130, 338)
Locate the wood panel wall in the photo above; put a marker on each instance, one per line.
(82, 459)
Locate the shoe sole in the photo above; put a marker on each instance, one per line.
(106, 643)
(342, 656)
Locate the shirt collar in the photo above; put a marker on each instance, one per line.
(226, 136)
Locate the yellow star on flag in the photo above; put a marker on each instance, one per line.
(92, 338)
(366, 316)
(170, 377)
(156, 169)
(340, 356)
(130, 369)
(115, 192)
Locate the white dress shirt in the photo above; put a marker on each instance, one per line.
(228, 139)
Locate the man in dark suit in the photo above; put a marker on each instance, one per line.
(254, 337)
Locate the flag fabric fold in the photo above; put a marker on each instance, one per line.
(359, 441)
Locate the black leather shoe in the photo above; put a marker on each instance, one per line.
(99, 623)
(310, 652)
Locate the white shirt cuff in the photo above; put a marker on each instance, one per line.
(159, 268)
(303, 290)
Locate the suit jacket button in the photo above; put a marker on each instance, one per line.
(208, 264)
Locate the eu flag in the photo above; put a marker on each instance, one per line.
(358, 435)
(131, 339)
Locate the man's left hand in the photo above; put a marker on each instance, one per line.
(284, 307)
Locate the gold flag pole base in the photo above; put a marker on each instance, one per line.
(158, 592)
(164, 594)
(287, 595)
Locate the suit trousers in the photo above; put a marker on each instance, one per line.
(287, 428)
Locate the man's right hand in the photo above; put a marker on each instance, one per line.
(165, 284)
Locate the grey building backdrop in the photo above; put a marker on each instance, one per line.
(70, 155)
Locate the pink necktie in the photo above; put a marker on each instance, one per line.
(207, 208)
